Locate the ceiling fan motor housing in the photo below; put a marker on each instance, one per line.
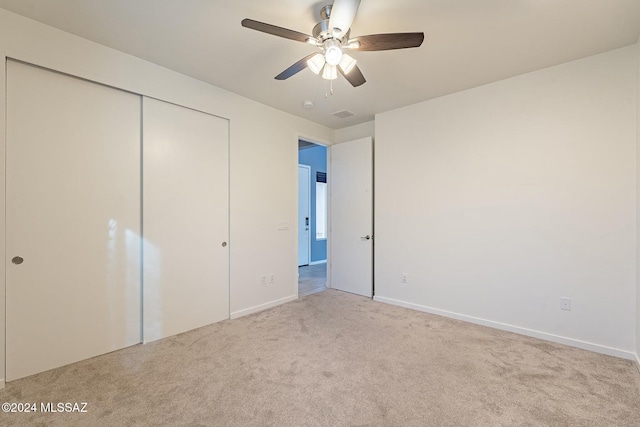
(325, 12)
(321, 32)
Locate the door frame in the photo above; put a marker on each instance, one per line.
(325, 144)
(308, 168)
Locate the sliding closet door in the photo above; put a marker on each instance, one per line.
(185, 216)
(73, 220)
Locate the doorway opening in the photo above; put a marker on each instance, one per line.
(312, 218)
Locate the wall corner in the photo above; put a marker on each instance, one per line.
(637, 336)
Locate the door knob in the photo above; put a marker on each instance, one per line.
(367, 237)
(17, 260)
(224, 244)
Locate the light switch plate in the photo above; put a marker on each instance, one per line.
(283, 225)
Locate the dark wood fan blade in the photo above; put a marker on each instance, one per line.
(276, 31)
(294, 69)
(389, 41)
(354, 77)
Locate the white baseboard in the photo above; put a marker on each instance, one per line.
(262, 307)
(638, 362)
(322, 261)
(516, 329)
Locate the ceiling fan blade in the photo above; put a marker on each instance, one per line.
(276, 31)
(343, 12)
(389, 41)
(354, 77)
(295, 68)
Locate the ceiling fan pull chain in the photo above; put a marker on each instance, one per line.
(330, 91)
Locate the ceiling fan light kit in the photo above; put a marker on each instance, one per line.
(316, 63)
(347, 64)
(330, 72)
(332, 36)
(332, 52)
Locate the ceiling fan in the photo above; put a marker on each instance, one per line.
(332, 36)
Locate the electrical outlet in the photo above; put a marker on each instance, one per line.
(405, 277)
(565, 304)
(271, 278)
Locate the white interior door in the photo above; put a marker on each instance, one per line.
(73, 220)
(304, 214)
(351, 204)
(186, 219)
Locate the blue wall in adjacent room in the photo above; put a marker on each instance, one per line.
(316, 157)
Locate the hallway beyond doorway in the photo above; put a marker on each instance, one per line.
(312, 279)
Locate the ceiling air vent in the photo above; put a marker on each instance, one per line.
(343, 114)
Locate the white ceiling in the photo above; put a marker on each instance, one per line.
(467, 43)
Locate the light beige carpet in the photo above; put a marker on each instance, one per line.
(335, 359)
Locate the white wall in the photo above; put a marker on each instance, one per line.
(499, 200)
(263, 143)
(355, 132)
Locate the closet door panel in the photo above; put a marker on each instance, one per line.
(73, 220)
(185, 217)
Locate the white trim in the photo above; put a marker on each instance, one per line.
(300, 165)
(638, 362)
(312, 140)
(322, 261)
(327, 145)
(516, 329)
(329, 208)
(262, 307)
